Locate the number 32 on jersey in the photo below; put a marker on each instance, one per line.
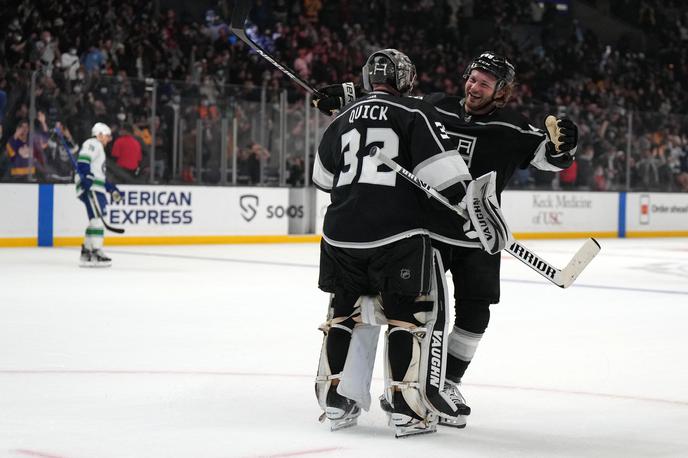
(351, 145)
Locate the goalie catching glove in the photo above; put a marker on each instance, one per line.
(563, 138)
(336, 96)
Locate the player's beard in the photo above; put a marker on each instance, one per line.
(483, 105)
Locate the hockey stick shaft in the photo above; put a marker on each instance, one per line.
(90, 194)
(238, 28)
(560, 277)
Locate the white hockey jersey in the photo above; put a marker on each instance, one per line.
(93, 154)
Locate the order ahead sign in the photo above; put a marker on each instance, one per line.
(183, 210)
(651, 212)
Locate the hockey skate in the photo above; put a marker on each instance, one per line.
(98, 259)
(341, 411)
(404, 420)
(85, 259)
(452, 389)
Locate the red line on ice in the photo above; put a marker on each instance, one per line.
(259, 374)
(36, 454)
(302, 452)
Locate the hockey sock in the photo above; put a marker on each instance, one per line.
(338, 340)
(462, 347)
(400, 354)
(95, 232)
(456, 368)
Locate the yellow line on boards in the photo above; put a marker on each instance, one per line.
(307, 238)
(14, 242)
(639, 234)
(192, 239)
(564, 235)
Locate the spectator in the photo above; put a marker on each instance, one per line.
(584, 173)
(3, 101)
(648, 171)
(599, 179)
(46, 50)
(19, 152)
(251, 162)
(295, 171)
(69, 62)
(681, 173)
(127, 152)
(302, 64)
(567, 177)
(94, 60)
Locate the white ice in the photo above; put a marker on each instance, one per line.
(211, 351)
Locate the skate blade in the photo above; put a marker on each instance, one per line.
(406, 431)
(336, 425)
(406, 426)
(456, 422)
(338, 420)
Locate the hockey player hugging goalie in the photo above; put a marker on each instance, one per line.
(376, 258)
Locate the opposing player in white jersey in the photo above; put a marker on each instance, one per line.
(91, 186)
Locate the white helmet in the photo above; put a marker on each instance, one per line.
(100, 128)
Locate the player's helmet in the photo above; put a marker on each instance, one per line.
(389, 66)
(100, 128)
(499, 66)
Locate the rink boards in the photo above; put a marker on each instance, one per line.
(47, 215)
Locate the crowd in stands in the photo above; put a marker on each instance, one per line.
(113, 61)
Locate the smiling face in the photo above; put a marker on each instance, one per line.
(480, 92)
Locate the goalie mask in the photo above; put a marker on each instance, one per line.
(495, 64)
(391, 67)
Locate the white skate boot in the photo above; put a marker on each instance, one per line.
(341, 411)
(452, 389)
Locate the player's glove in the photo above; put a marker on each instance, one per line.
(563, 139)
(86, 181)
(114, 191)
(335, 97)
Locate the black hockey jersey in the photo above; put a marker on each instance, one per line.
(499, 141)
(370, 205)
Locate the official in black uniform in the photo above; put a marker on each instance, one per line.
(375, 239)
(490, 137)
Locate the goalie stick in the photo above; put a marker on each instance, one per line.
(560, 277)
(237, 26)
(91, 197)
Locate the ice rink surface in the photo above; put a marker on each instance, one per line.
(211, 351)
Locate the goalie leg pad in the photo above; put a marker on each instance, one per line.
(340, 410)
(360, 358)
(408, 412)
(336, 336)
(486, 215)
(358, 368)
(433, 363)
(422, 344)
